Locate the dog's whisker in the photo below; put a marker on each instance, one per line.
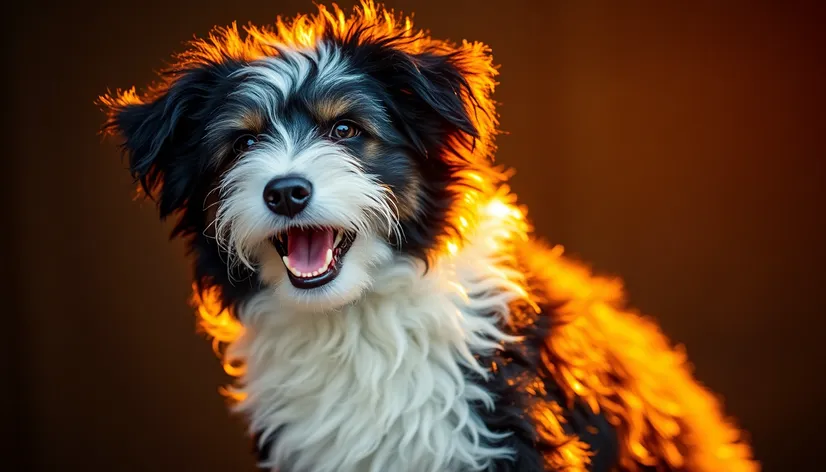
(206, 198)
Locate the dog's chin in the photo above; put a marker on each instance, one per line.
(321, 269)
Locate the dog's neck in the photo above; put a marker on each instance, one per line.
(357, 389)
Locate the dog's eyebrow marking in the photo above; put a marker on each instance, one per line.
(332, 102)
(328, 109)
(231, 121)
(251, 120)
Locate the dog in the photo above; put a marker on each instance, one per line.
(371, 281)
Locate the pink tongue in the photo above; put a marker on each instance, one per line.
(307, 248)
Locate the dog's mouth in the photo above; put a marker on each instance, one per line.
(313, 256)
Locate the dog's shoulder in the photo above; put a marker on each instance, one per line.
(601, 363)
(548, 429)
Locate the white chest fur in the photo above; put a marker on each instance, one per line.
(378, 386)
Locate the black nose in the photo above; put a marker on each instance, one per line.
(288, 195)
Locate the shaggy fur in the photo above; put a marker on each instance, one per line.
(381, 384)
(436, 336)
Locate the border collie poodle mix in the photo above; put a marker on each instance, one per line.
(370, 281)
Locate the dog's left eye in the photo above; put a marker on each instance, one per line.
(344, 129)
(243, 143)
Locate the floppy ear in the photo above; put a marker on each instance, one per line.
(439, 85)
(433, 100)
(434, 93)
(161, 134)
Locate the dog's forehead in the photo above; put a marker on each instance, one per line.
(316, 85)
(311, 75)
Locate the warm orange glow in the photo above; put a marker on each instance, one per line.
(219, 324)
(614, 360)
(571, 454)
(620, 363)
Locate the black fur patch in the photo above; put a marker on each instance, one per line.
(520, 381)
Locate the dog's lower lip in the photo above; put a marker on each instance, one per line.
(342, 242)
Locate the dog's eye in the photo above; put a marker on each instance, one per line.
(344, 130)
(243, 143)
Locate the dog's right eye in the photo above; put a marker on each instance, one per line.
(243, 143)
(344, 129)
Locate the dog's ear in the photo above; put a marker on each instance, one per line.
(438, 95)
(161, 133)
(436, 82)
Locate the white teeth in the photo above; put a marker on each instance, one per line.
(328, 261)
(290, 268)
(338, 238)
(306, 275)
(328, 258)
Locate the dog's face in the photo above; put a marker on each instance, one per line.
(305, 170)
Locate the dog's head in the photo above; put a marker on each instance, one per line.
(307, 157)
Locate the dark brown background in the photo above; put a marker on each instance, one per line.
(679, 146)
